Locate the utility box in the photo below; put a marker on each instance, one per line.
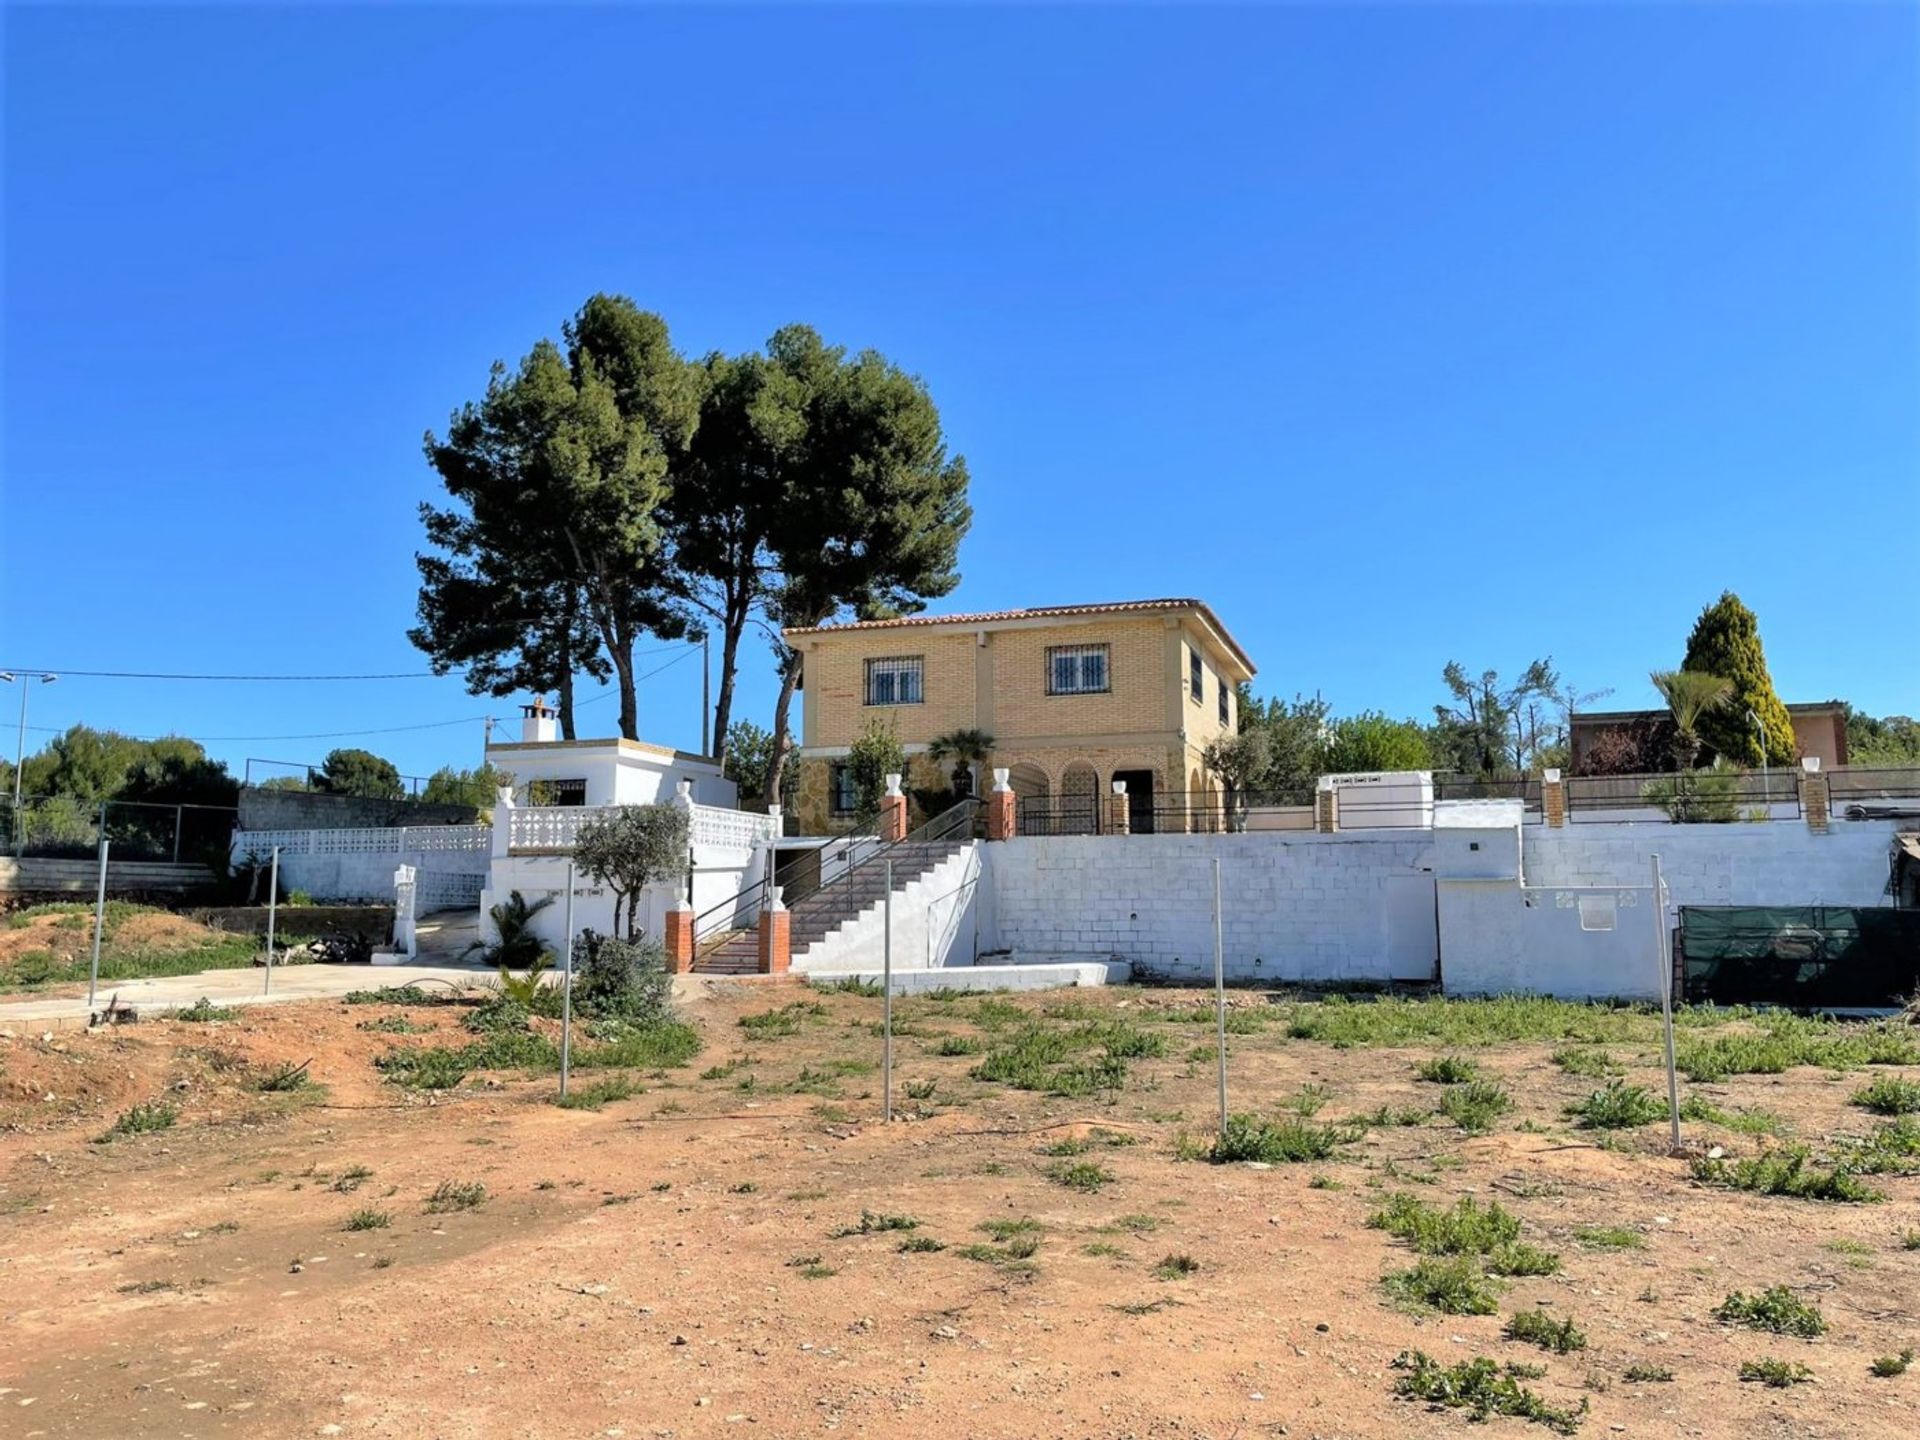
(1385, 799)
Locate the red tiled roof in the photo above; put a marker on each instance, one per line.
(1041, 612)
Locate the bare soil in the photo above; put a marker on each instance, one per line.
(669, 1265)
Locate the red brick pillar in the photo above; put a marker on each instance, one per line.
(1553, 799)
(1816, 803)
(776, 936)
(679, 939)
(893, 811)
(1002, 817)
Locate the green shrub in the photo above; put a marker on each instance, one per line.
(1175, 1267)
(1447, 1070)
(1536, 1327)
(1888, 1366)
(1452, 1284)
(921, 1245)
(1786, 1170)
(517, 947)
(1618, 1106)
(872, 1223)
(451, 1195)
(1892, 1148)
(204, 1010)
(1083, 1175)
(616, 979)
(1466, 1229)
(142, 1119)
(1777, 1310)
(1643, 1372)
(1278, 1142)
(600, 1092)
(785, 1021)
(1475, 1106)
(388, 995)
(368, 1220)
(1609, 1237)
(1778, 1373)
(1478, 1387)
(959, 1045)
(1889, 1095)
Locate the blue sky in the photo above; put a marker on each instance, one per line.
(1400, 334)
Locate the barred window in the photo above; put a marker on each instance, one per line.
(1077, 670)
(557, 792)
(1226, 703)
(894, 681)
(844, 797)
(1196, 673)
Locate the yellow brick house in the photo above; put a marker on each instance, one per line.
(1074, 696)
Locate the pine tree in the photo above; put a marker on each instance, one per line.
(1726, 642)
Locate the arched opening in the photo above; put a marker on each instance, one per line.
(1034, 809)
(1079, 800)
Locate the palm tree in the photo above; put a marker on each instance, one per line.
(1690, 694)
(965, 749)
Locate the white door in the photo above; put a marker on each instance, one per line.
(1413, 928)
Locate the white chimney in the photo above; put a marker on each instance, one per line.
(539, 723)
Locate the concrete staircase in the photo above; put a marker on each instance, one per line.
(816, 918)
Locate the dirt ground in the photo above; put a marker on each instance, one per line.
(668, 1265)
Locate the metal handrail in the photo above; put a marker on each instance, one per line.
(957, 819)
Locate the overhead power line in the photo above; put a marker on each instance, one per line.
(64, 670)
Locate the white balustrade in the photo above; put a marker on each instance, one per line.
(371, 840)
(553, 829)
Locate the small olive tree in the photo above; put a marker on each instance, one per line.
(875, 754)
(629, 848)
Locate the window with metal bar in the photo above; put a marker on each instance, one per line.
(894, 680)
(845, 799)
(1226, 702)
(557, 792)
(1196, 673)
(1077, 670)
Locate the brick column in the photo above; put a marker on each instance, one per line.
(1815, 802)
(1553, 799)
(1326, 808)
(1119, 812)
(893, 811)
(1002, 816)
(776, 936)
(679, 939)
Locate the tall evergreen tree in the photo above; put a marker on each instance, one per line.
(1726, 642)
(551, 547)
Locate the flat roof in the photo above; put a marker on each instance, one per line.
(1599, 717)
(625, 746)
(991, 619)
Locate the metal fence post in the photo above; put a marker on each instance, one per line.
(273, 915)
(886, 998)
(1220, 994)
(566, 994)
(179, 820)
(1664, 954)
(99, 925)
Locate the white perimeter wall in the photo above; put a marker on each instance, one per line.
(317, 862)
(1782, 863)
(1294, 906)
(719, 873)
(1308, 907)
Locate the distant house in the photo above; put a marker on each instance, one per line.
(1074, 696)
(1819, 731)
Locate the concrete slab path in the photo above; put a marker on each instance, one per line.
(442, 941)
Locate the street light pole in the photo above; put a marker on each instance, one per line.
(20, 745)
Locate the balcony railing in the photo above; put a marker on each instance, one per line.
(554, 829)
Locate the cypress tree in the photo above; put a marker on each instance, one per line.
(1726, 642)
